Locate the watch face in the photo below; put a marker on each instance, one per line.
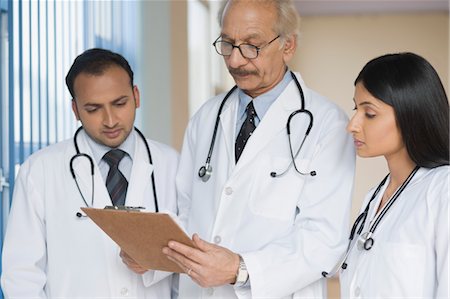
(242, 274)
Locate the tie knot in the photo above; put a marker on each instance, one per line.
(113, 157)
(250, 109)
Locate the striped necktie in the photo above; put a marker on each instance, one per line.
(116, 183)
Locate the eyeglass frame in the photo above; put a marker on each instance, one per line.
(239, 47)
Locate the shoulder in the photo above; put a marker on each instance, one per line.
(52, 152)
(54, 155)
(437, 179)
(323, 108)
(162, 151)
(210, 107)
(326, 107)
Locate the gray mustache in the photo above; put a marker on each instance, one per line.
(241, 72)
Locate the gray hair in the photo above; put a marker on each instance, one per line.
(288, 19)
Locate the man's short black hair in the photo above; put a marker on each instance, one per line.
(94, 62)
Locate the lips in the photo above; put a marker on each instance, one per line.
(112, 133)
(357, 143)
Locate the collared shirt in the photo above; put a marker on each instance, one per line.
(261, 103)
(125, 165)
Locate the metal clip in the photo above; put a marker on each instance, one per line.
(124, 208)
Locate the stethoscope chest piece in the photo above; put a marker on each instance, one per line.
(205, 172)
(365, 241)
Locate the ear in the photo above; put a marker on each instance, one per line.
(75, 109)
(137, 96)
(289, 47)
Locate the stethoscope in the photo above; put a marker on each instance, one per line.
(206, 170)
(366, 241)
(91, 162)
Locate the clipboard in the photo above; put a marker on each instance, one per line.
(142, 235)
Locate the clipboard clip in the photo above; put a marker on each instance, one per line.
(124, 208)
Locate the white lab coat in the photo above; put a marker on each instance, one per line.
(287, 229)
(409, 258)
(51, 253)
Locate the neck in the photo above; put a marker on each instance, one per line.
(278, 79)
(399, 168)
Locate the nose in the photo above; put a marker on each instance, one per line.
(353, 125)
(109, 118)
(236, 60)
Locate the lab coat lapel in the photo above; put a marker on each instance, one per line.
(228, 124)
(82, 169)
(272, 123)
(140, 179)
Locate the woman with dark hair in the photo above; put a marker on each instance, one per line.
(399, 244)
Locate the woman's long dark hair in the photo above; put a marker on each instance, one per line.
(409, 84)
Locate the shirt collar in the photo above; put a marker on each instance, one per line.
(263, 102)
(99, 150)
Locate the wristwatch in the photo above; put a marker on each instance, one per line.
(242, 274)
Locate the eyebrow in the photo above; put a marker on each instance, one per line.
(113, 101)
(254, 35)
(365, 103)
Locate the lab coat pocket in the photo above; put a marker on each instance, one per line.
(400, 270)
(276, 197)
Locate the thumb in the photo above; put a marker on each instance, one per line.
(201, 244)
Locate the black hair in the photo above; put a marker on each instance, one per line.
(95, 61)
(409, 84)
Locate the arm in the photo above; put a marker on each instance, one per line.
(24, 252)
(185, 168)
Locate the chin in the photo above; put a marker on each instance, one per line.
(363, 154)
(112, 143)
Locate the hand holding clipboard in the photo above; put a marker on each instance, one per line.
(142, 235)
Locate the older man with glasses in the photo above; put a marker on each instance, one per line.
(269, 209)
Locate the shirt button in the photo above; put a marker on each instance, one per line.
(124, 292)
(357, 292)
(210, 291)
(228, 190)
(217, 239)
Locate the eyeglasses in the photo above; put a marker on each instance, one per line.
(248, 51)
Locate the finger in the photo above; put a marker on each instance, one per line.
(137, 269)
(201, 244)
(187, 251)
(181, 261)
(123, 254)
(183, 267)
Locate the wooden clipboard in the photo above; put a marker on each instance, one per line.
(142, 235)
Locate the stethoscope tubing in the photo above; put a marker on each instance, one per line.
(205, 171)
(365, 240)
(91, 162)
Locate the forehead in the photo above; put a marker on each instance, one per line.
(364, 97)
(245, 19)
(112, 80)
